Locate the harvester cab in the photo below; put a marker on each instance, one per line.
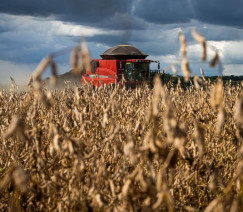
(138, 71)
(118, 63)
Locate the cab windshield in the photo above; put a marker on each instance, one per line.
(136, 71)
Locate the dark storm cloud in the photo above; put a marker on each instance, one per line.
(4, 29)
(123, 14)
(103, 13)
(223, 12)
(28, 47)
(26, 56)
(109, 40)
(164, 11)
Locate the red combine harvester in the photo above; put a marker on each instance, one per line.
(118, 62)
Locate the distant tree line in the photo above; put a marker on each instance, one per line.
(173, 79)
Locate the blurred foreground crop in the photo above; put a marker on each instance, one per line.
(114, 149)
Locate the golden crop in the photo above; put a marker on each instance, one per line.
(116, 149)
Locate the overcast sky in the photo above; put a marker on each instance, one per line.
(31, 29)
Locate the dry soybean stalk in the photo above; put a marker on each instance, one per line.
(185, 69)
(182, 39)
(199, 38)
(215, 59)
